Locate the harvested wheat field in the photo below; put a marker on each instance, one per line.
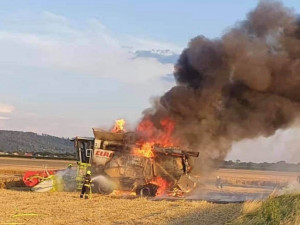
(66, 208)
(23, 164)
(12, 169)
(20, 206)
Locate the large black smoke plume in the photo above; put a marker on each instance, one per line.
(243, 85)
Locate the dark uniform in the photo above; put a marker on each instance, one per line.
(86, 186)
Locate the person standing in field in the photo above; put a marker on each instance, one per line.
(219, 182)
(86, 186)
(298, 179)
(69, 178)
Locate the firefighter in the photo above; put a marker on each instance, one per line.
(68, 178)
(86, 186)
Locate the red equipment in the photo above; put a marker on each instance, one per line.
(32, 178)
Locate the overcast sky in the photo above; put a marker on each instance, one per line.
(67, 66)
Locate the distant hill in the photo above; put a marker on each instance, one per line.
(17, 141)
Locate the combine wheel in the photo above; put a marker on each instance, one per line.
(148, 190)
(145, 192)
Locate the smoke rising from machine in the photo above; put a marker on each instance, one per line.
(242, 85)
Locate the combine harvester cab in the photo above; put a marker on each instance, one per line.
(84, 154)
(115, 167)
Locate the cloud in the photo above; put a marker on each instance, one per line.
(147, 44)
(4, 108)
(66, 78)
(93, 50)
(47, 124)
(54, 17)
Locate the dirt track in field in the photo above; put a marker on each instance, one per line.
(243, 185)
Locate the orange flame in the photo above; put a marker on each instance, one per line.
(160, 136)
(152, 136)
(119, 126)
(162, 184)
(144, 151)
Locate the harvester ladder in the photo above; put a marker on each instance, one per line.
(81, 172)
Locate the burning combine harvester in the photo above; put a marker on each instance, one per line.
(120, 162)
(123, 162)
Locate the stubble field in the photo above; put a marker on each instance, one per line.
(24, 207)
(67, 208)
